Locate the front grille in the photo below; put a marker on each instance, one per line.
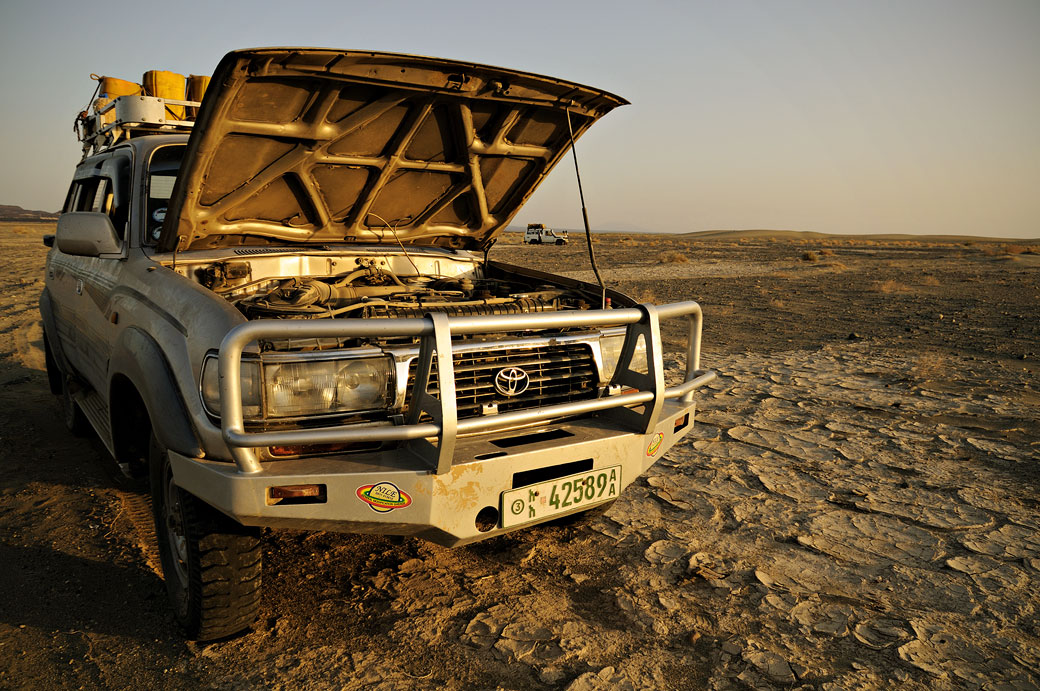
(558, 374)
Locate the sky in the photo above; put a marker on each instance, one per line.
(887, 116)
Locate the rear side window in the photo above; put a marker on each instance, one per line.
(84, 195)
(105, 191)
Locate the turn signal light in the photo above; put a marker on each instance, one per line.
(295, 491)
(296, 494)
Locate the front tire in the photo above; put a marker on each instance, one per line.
(210, 563)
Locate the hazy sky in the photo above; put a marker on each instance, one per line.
(905, 116)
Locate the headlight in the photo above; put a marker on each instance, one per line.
(294, 389)
(610, 347)
(298, 389)
(250, 374)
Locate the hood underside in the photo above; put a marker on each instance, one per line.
(326, 146)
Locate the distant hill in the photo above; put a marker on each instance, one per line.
(812, 235)
(17, 213)
(765, 234)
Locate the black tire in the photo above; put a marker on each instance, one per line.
(75, 421)
(211, 564)
(561, 242)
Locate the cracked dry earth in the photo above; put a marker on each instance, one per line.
(847, 514)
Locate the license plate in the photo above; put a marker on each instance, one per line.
(565, 494)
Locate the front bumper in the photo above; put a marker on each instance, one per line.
(446, 470)
(443, 508)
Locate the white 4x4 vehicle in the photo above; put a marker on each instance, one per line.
(538, 234)
(289, 318)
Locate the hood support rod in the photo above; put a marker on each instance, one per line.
(585, 217)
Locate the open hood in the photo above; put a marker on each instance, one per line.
(302, 145)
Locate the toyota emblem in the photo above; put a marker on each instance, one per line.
(511, 381)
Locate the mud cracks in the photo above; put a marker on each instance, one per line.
(836, 532)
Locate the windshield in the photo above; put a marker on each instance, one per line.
(162, 173)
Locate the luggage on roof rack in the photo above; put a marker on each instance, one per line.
(166, 103)
(169, 86)
(130, 116)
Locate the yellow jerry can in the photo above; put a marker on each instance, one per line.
(169, 85)
(197, 85)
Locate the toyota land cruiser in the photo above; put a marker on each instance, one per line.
(284, 314)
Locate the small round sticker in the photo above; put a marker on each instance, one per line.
(655, 444)
(159, 215)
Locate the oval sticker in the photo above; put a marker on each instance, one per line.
(383, 496)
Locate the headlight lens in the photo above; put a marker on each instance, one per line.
(298, 389)
(610, 347)
(250, 374)
(294, 389)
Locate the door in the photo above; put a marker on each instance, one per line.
(82, 287)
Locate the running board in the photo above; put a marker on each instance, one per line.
(95, 410)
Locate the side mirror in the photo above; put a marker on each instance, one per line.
(48, 240)
(87, 234)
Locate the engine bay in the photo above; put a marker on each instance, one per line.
(372, 287)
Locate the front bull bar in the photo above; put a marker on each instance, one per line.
(435, 331)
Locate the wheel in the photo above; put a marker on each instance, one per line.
(211, 564)
(561, 242)
(75, 421)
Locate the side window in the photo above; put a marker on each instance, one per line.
(83, 193)
(105, 189)
(102, 196)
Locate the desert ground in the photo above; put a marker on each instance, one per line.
(857, 507)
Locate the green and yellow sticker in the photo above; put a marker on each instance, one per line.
(383, 496)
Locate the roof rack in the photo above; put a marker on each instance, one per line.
(125, 117)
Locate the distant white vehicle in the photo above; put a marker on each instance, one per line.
(538, 234)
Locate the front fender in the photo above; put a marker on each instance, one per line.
(140, 359)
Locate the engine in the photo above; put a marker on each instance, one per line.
(372, 291)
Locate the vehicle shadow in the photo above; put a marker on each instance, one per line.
(58, 592)
(63, 561)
